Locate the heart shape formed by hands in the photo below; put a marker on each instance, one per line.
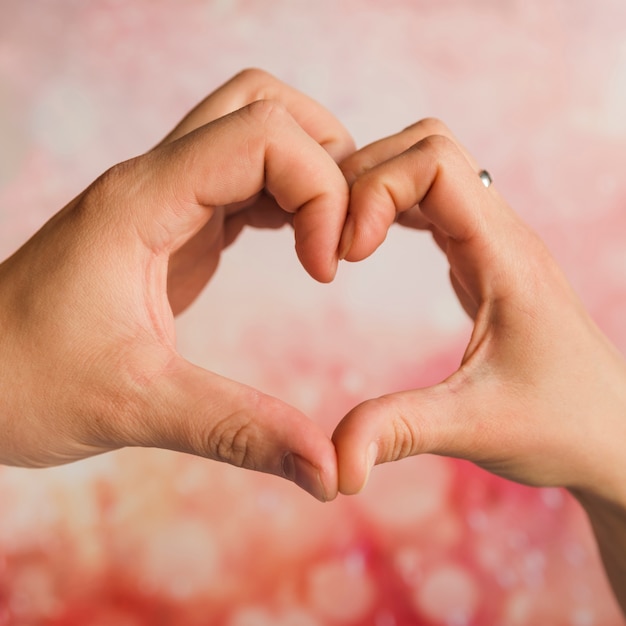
(89, 304)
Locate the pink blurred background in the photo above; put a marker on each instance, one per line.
(537, 91)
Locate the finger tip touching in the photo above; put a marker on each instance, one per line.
(357, 453)
(309, 460)
(318, 478)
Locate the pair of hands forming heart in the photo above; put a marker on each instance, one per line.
(88, 360)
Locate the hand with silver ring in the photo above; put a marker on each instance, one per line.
(540, 394)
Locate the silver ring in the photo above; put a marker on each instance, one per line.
(485, 177)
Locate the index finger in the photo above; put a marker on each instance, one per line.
(175, 188)
(377, 152)
(475, 224)
(254, 84)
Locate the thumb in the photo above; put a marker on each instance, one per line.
(195, 411)
(441, 420)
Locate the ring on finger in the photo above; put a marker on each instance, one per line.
(485, 176)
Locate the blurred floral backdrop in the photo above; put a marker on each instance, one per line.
(537, 90)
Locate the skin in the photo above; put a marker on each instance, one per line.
(87, 351)
(523, 403)
(89, 362)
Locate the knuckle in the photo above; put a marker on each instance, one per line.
(229, 441)
(105, 201)
(405, 437)
(432, 126)
(254, 77)
(119, 181)
(264, 112)
(257, 84)
(405, 441)
(117, 175)
(441, 146)
(266, 121)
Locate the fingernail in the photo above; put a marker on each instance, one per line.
(347, 237)
(370, 459)
(303, 474)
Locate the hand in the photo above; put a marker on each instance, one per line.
(87, 356)
(540, 395)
